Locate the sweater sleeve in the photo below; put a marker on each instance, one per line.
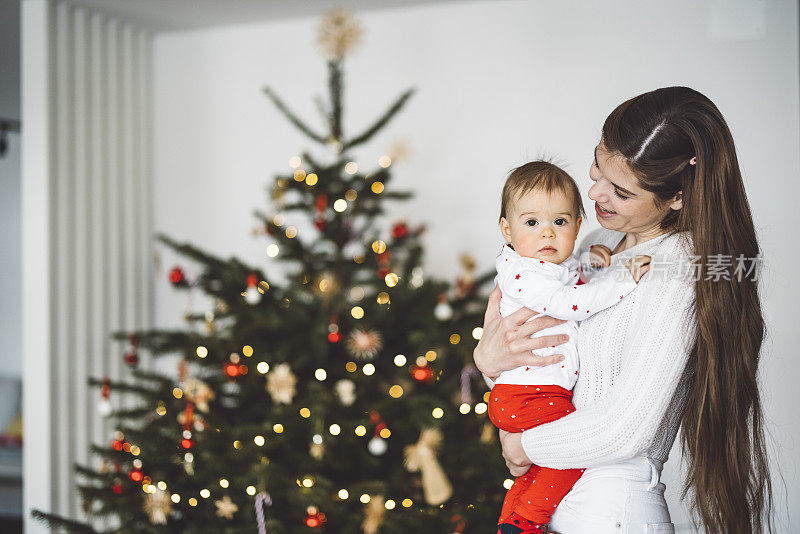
(571, 302)
(623, 423)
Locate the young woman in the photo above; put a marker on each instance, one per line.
(682, 349)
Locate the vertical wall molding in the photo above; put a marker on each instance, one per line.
(87, 231)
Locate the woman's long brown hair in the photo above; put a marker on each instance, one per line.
(658, 133)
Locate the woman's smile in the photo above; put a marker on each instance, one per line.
(603, 213)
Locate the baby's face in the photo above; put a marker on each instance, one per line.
(542, 226)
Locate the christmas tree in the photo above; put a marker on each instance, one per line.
(342, 400)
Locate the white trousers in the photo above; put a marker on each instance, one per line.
(626, 497)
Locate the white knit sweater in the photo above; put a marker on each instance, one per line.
(631, 389)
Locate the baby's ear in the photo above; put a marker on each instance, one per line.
(505, 229)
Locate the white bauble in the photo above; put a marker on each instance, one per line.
(377, 446)
(104, 407)
(443, 311)
(252, 295)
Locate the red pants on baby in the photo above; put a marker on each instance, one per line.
(516, 408)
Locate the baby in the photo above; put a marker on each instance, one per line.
(539, 218)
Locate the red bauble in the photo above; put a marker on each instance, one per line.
(117, 488)
(135, 475)
(268, 229)
(421, 374)
(187, 443)
(400, 230)
(105, 390)
(321, 202)
(460, 524)
(252, 280)
(382, 272)
(117, 445)
(374, 416)
(131, 358)
(232, 369)
(384, 257)
(334, 337)
(177, 277)
(315, 520)
(320, 224)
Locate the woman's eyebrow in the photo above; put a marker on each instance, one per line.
(596, 162)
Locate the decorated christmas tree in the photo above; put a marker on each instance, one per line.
(342, 399)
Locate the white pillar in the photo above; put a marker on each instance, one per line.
(87, 242)
(36, 46)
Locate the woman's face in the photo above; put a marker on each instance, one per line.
(620, 204)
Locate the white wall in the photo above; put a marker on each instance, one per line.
(10, 246)
(10, 261)
(499, 82)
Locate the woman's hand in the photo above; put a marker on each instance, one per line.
(506, 342)
(638, 266)
(599, 256)
(517, 461)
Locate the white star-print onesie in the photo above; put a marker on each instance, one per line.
(552, 289)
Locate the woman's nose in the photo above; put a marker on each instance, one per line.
(596, 193)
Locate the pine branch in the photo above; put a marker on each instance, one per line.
(294, 119)
(94, 474)
(186, 249)
(58, 522)
(157, 341)
(118, 386)
(134, 413)
(335, 88)
(152, 376)
(398, 195)
(321, 107)
(380, 123)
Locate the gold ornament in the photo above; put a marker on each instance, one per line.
(364, 344)
(198, 422)
(465, 283)
(488, 433)
(399, 150)
(226, 507)
(339, 33)
(422, 457)
(157, 505)
(373, 514)
(281, 383)
(326, 285)
(346, 390)
(197, 392)
(334, 145)
(317, 450)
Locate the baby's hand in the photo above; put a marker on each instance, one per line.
(638, 265)
(599, 256)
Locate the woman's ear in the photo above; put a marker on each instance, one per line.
(505, 229)
(677, 201)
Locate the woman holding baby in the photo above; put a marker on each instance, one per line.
(680, 350)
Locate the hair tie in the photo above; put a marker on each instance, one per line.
(693, 161)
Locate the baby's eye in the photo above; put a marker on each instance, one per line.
(531, 222)
(561, 222)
